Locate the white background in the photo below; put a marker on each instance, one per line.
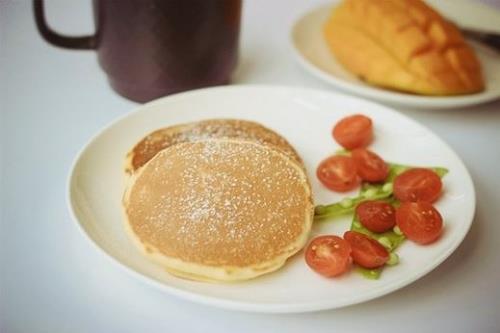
(51, 280)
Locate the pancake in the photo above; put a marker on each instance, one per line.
(219, 209)
(160, 139)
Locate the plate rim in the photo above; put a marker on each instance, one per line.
(374, 93)
(255, 306)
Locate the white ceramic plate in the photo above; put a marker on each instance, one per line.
(312, 53)
(305, 117)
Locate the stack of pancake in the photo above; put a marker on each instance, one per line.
(217, 200)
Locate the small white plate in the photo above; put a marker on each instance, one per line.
(305, 117)
(311, 51)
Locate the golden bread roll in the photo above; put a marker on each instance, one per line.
(219, 209)
(403, 45)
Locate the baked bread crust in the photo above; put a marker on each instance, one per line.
(403, 45)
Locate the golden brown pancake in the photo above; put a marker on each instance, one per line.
(160, 139)
(219, 209)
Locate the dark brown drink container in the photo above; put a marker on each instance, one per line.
(152, 48)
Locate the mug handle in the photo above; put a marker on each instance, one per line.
(77, 43)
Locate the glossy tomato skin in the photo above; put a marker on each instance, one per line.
(370, 166)
(366, 251)
(329, 255)
(419, 222)
(418, 184)
(338, 173)
(376, 216)
(354, 131)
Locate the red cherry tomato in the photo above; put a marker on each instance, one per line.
(366, 251)
(338, 173)
(369, 165)
(418, 185)
(329, 255)
(376, 216)
(419, 222)
(353, 131)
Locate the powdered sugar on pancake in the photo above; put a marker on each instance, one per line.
(163, 138)
(220, 202)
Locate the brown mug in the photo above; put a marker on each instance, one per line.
(151, 48)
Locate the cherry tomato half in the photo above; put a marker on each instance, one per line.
(418, 185)
(338, 173)
(419, 222)
(369, 165)
(376, 216)
(354, 131)
(329, 255)
(366, 251)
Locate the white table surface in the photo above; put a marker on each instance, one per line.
(51, 279)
